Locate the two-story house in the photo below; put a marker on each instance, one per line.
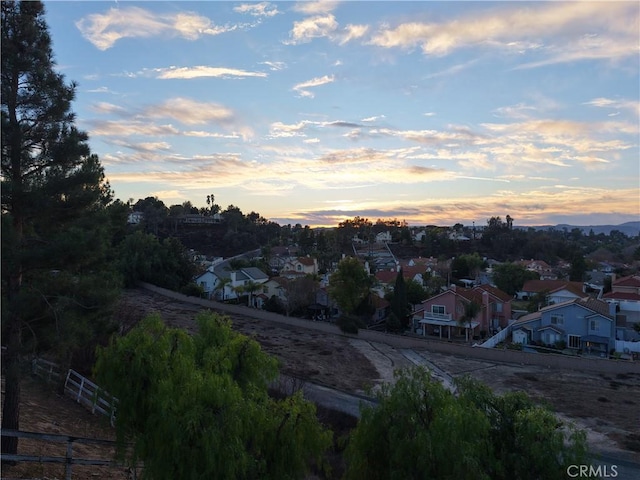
(221, 283)
(584, 324)
(556, 291)
(299, 266)
(440, 314)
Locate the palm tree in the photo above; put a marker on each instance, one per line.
(250, 287)
(471, 311)
(222, 285)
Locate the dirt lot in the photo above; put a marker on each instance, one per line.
(608, 406)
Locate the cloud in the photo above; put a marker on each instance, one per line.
(263, 9)
(602, 102)
(319, 26)
(108, 108)
(275, 66)
(453, 70)
(373, 118)
(301, 88)
(315, 7)
(520, 28)
(204, 71)
(191, 112)
(352, 32)
(104, 30)
(127, 128)
(313, 27)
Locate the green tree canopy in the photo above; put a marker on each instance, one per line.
(510, 277)
(349, 285)
(420, 430)
(197, 406)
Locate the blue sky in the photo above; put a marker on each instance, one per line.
(313, 112)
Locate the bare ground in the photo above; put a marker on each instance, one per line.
(607, 406)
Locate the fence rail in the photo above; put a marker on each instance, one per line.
(79, 388)
(68, 460)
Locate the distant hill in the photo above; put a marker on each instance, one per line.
(631, 229)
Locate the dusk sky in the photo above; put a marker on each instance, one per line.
(314, 112)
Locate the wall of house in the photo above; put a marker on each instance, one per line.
(448, 299)
(577, 321)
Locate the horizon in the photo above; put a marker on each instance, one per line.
(434, 113)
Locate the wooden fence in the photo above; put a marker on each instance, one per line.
(68, 460)
(81, 389)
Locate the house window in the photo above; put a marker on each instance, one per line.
(437, 309)
(594, 326)
(557, 319)
(299, 267)
(265, 290)
(498, 308)
(574, 341)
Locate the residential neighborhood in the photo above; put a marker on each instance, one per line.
(598, 316)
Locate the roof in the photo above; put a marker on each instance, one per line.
(496, 292)
(551, 286)
(629, 281)
(255, 273)
(552, 327)
(596, 306)
(307, 261)
(622, 296)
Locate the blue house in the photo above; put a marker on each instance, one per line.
(585, 325)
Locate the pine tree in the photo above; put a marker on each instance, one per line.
(399, 302)
(55, 225)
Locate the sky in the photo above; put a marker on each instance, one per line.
(435, 113)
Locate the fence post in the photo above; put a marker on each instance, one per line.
(68, 466)
(80, 390)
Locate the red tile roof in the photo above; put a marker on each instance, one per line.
(551, 286)
(629, 281)
(496, 292)
(622, 296)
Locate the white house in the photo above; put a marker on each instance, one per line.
(224, 284)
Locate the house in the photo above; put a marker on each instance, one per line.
(586, 325)
(134, 218)
(625, 295)
(220, 282)
(557, 291)
(381, 309)
(299, 266)
(439, 315)
(383, 237)
(542, 268)
(497, 308)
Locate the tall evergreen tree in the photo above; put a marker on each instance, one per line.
(399, 302)
(55, 227)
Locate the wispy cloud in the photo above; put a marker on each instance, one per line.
(190, 112)
(104, 30)
(205, 71)
(315, 7)
(262, 9)
(601, 102)
(275, 66)
(302, 88)
(567, 29)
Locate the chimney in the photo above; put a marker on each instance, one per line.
(233, 276)
(613, 309)
(453, 287)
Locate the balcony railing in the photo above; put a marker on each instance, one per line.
(437, 316)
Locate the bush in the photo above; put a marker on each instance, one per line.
(350, 324)
(192, 290)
